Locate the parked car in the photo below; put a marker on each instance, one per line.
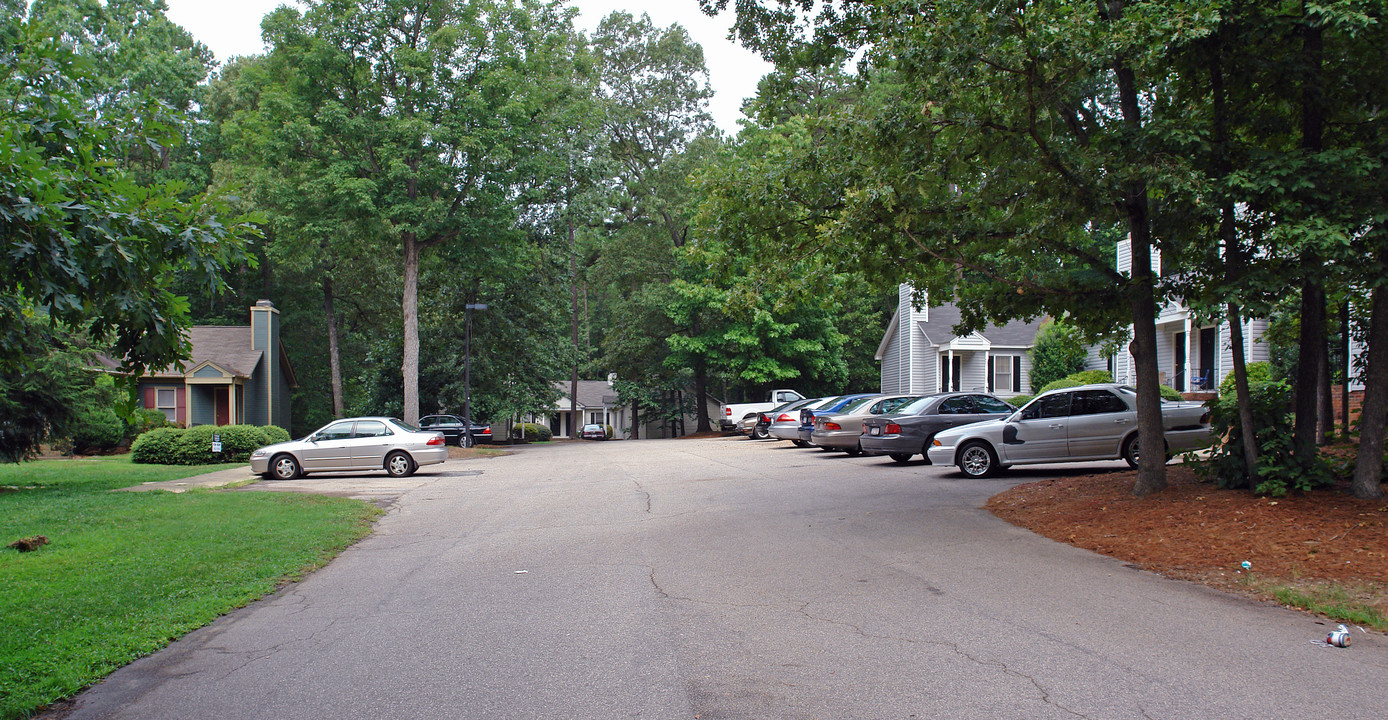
(453, 428)
(593, 431)
(786, 425)
(909, 430)
(353, 444)
(736, 412)
(807, 415)
(1090, 422)
(844, 429)
(761, 429)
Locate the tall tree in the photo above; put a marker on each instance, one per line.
(426, 103)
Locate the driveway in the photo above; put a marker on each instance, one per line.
(726, 578)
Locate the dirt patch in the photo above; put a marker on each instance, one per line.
(1197, 531)
(476, 451)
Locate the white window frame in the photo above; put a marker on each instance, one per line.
(999, 363)
(170, 410)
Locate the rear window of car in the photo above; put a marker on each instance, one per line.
(402, 425)
(916, 406)
(855, 404)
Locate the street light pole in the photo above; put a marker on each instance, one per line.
(467, 369)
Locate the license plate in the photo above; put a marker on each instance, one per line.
(877, 431)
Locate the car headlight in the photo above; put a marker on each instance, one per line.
(258, 454)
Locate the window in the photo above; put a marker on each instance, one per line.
(371, 428)
(988, 404)
(166, 401)
(1050, 406)
(890, 405)
(595, 418)
(1095, 402)
(336, 431)
(962, 405)
(1002, 373)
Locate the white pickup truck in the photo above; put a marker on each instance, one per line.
(737, 411)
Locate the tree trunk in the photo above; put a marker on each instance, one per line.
(573, 311)
(1151, 470)
(635, 420)
(1325, 429)
(1248, 432)
(409, 368)
(1309, 358)
(334, 351)
(702, 421)
(1368, 467)
(1348, 371)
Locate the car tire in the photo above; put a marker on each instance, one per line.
(399, 464)
(759, 433)
(284, 467)
(466, 440)
(977, 460)
(800, 443)
(854, 451)
(900, 457)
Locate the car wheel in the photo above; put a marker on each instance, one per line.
(977, 460)
(399, 464)
(800, 443)
(759, 433)
(900, 457)
(284, 467)
(466, 440)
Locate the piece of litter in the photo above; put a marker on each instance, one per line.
(1246, 565)
(522, 572)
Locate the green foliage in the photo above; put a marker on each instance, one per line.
(1170, 393)
(1085, 377)
(531, 432)
(1020, 400)
(142, 420)
(42, 393)
(1277, 469)
(97, 428)
(157, 447)
(193, 446)
(1059, 351)
(1257, 372)
(155, 565)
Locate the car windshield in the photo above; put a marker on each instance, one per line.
(820, 403)
(916, 406)
(854, 405)
(402, 425)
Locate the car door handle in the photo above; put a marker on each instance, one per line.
(1120, 422)
(1056, 426)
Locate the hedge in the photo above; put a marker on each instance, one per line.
(531, 432)
(175, 446)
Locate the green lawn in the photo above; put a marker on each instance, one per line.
(124, 574)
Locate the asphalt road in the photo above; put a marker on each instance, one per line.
(725, 578)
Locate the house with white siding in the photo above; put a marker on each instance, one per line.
(1192, 355)
(921, 353)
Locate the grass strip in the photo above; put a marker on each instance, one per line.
(125, 574)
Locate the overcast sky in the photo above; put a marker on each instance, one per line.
(233, 28)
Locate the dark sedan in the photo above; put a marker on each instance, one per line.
(762, 429)
(454, 431)
(908, 431)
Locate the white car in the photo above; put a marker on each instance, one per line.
(353, 444)
(1090, 422)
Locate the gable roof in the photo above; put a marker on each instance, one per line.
(939, 329)
(591, 394)
(226, 346)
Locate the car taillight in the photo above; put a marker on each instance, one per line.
(786, 417)
(892, 429)
(435, 440)
(1205, 419)
(832, 426)
(728, 412)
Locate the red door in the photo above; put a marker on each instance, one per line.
(221, 406)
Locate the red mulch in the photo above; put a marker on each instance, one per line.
(1197, 531)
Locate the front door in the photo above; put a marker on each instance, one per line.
(221, 405)
(1041, 433)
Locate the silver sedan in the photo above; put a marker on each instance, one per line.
(1091, 422)
(353, 444)
(908, 431)
(843, 430)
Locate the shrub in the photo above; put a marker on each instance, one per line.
(1084, 377)
(1019, 400)
(97, 428)
(531, 431)
(142, 420)
(275, 434)
(1277, 470)
(156, 447)
(1059, 351)
(1257, 372)
(610, 431)
(1170, 393)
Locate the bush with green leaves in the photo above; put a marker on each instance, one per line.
(1059, 351)
(156, 447)
(1257, 372)
(97, 428)
(1278, 471)
(142, 420)
(1019, 400)
(1084, 377)
(176, 446)
(531, 431)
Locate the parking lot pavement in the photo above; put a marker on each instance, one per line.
(734, 579)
